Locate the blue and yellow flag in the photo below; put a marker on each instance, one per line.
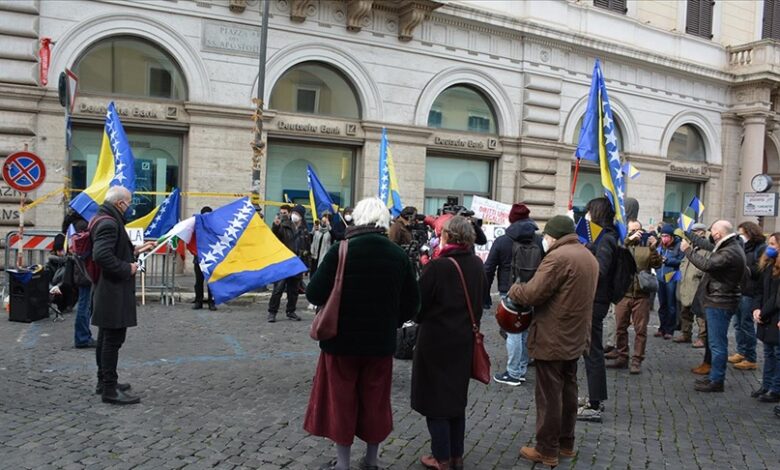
(116, 167)
(630, 170)
(388, 185)
(685, 222)
(318, 197)
(239, 253)
(697, 206)
(161, 219)
(672, 276)
(598, 143)
(587, 231)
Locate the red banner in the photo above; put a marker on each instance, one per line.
(45, 55)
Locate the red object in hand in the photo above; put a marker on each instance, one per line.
(44, 53)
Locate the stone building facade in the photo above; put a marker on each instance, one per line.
(478, 97)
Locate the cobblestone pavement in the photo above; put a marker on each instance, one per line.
(227, 390)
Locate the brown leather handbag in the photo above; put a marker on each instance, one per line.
(326, 323)
(480, 362)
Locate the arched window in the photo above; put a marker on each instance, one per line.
(618, 131)
(131, 66)
(315, 88)
(462, 108)
(687, 144)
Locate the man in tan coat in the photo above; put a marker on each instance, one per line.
(686, 292)
(561, 292)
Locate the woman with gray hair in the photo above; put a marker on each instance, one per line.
(350, 395)
(442, 359)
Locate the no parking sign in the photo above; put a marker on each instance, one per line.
(24, 171)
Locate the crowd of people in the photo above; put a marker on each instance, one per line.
(708, 276)
(424, 269)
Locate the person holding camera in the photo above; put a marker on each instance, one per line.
(635, 305)
(400, 232)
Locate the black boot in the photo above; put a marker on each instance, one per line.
(271, 317)
(212, 307)
(120, 387)
(293, 316)
(119, 397)
(197, 306)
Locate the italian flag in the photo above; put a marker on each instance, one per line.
(180, 236)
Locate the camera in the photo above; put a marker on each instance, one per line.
(455, 209)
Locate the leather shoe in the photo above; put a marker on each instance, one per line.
(746, 365)
(293, 316)
(709, 387)
(736, 358)
(530, 453)
(430, 461)
(758, 392)
(271, 317)
(702, 380)
(612, 355)
(658, 334)
(456, 463)
(770, 397)
(702, 369)
(567, 453)
(698, 344)
(635, 368)
(89, 344)
(120, 387)
(120, 398)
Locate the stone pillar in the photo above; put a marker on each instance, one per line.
(751, 155)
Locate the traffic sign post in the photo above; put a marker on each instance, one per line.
(24, 171)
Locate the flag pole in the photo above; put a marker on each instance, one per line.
(258, 146)
(574, 184)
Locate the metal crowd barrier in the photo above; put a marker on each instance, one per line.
(160, 275)
(37, 245)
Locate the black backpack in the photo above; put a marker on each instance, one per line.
(526, 257)
(623, 272)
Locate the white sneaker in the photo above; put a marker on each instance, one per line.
(586, 413)
(311, 307)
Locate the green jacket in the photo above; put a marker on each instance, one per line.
(379, 294)
(646, 259)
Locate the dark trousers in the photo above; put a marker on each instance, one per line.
(447, 435)
(199, 286)
(107, 355)
(291, 286)
(556, 406)
(595, 368)
(667, 310)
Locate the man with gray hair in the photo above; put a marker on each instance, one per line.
(720, 293)
(113, 294)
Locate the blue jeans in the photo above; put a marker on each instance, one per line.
(517, 354)
(718, 320)
(771, 380)
(745, 330)
(82, 333)
(667, 310)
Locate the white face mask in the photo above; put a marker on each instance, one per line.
(348, 218)
(295, 217)
(545, 244)
(587, 216)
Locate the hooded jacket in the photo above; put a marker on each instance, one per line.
(500, 256)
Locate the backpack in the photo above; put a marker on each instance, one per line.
(81, 246)
(526, 258)
(623, 272)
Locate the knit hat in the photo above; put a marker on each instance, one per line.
(698, 226)
(667, 229)
(519, 212)
(300, 210)
(559, 226)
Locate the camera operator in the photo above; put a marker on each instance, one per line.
(400, 232)
(448, 211)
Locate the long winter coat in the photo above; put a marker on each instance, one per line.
(765, 298)
(114, 294)
(604, 249)
(689, 281)
(379, 294)
(442, 359)
(562, 293)
(753, 252)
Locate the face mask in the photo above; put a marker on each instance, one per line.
(744, 238)
(771, 252)
(296, 218)
(545, 244)
(587, 216)
(348, 218)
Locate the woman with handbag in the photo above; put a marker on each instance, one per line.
(368, 290)
(766, 314)
(451, 288)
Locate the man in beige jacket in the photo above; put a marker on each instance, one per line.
(561, 292)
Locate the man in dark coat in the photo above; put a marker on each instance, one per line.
(290, 228)
(114, 292)
(502, 253)
(562, 294)
(720, 289)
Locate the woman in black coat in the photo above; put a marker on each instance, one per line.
(443, 356)
(766, 314)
